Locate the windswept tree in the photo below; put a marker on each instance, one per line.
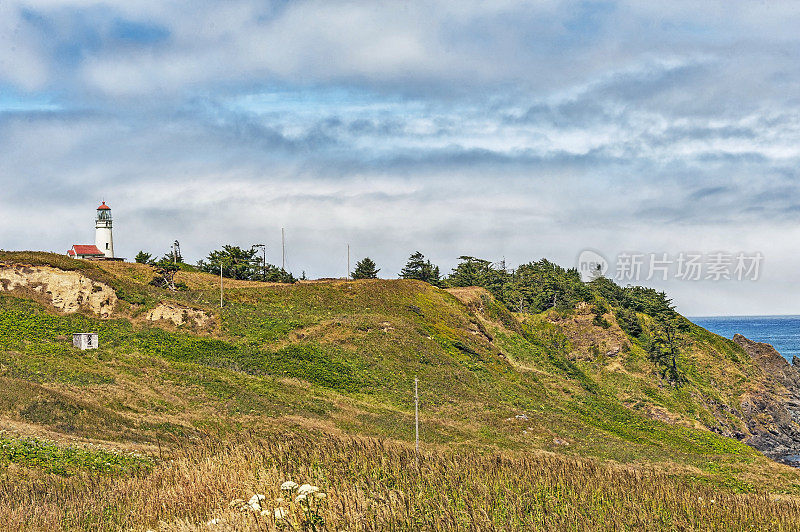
(165, 275)
(143, 257)
(419, 268)
(173, 255)
(666, 339)
(365, 269)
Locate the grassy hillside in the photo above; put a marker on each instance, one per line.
(340, 358)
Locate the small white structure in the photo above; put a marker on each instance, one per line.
(85, 341)
(78, 251)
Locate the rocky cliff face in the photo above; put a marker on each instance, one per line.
(772, 413)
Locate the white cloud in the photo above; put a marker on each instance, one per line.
(516, 129)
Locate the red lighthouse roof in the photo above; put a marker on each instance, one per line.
(104, 207)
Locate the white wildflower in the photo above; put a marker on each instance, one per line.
(289, 486)
(301, 498)
(306, 489)
(320, 495)
(280, 513)
(255, 502)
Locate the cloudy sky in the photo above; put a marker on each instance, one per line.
(503, 129)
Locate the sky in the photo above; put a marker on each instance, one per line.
(506, 130)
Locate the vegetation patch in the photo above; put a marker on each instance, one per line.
(67, 461)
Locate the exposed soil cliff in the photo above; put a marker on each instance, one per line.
(178, 314)
(67, 291)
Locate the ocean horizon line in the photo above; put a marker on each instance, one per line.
(733, 316)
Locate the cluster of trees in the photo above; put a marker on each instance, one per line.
(234, 261)
(541, 285)
(533, 287)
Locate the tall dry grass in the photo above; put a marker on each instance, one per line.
(375, 485)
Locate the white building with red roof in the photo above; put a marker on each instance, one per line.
(103, 248)
(78, 251)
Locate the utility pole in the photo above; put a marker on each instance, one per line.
(221, 266)
(264, 260)
(348, 262)
(283, 251)
(416, 417)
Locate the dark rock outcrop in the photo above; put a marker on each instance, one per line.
(772, 412)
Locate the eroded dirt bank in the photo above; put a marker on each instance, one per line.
(67, 291)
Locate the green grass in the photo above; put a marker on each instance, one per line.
(67, 461)
(35, 348)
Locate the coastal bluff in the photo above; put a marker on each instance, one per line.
(772, 413)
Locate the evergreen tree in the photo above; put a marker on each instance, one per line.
(365, 269)
(236, 263)
(171, 256)
(143, 258)
(666, 341)
(273, 274)
(538, 286)
(629, 322)
(470, 271)
(419, 268)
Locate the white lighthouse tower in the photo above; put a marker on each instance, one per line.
(102, 231)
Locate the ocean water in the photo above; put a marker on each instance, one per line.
(783, 332)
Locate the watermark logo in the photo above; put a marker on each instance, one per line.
(591, 264)
(632, 267)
